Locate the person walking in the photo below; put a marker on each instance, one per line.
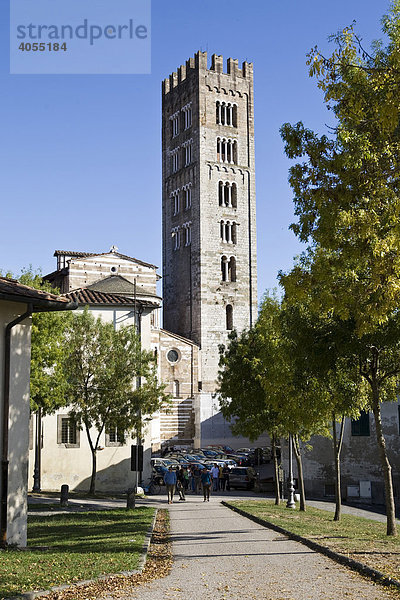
(185, 478)
(221, 480)
(197, 479)
(170, 482)
(206, 483)
(225, 472)
(180, 483)
(215, 475)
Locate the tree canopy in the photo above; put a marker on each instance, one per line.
(102, 367)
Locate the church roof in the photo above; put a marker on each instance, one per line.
(92, 297)
(77, 254)
(116, 284)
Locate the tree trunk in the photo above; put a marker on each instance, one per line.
(337, 447)
(297, 453)
(93, 448)
(386, 467)
(92, 489)
(276, 471)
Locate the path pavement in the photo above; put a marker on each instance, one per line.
(221, 555)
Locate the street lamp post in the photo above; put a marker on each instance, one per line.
(290, 501)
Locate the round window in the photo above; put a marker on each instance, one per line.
(113, 269)
(173, 356)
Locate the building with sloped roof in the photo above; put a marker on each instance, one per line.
(121, 290)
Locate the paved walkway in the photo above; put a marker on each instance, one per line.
(222, 556)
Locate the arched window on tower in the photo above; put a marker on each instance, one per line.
(224, 268)
(234, 115)
(221, 188)
(234, 195)
(232, 269)
(229, 317)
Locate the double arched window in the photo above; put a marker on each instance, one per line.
(175, 202)
(228, 231)
(228, 268)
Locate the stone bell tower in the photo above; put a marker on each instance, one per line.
(209, 211)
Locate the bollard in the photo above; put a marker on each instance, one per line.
(130, 498)
(64, 495)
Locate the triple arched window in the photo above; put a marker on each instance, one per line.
(227, 194)
(226, 150)
(226, 113)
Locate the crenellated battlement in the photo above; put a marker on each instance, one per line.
(199, 63)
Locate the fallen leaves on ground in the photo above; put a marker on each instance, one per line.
(158, 564)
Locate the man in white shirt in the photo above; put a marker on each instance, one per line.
(215, 475)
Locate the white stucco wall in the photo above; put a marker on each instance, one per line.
(18, 418)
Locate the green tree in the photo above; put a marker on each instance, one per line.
(242, 398)
(326, 364)
(47, 348)
(346, 194)
(102, 367)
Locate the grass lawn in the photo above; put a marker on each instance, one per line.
(72, 547)
(361, 539)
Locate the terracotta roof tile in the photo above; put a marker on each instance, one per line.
(14, 288)
(87, 296)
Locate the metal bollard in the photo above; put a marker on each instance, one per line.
(64, 495)
(130, 498)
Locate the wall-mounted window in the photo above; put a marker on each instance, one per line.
(229, 317)
(173, 355)
(176, 389)
(176, 237)
(226, 114)
(360, 426)
(67, 431)
(174, 120)
(174, 154)
(187, 116)
(228, 231)
(227, 150)
(187, 232)
(227, 194)
(228, 268)
(114, 437)
(175, 202)
(187, 195)
(187, 152)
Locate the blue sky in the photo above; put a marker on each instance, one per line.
(80, 155)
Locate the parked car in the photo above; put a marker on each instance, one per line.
(242, 477)
(159, 472)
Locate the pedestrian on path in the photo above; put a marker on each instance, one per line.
(180, 483)
(206, 483)
(215, 476)
(170, 482)
(197, 479)
(225, 472)
(221, 480)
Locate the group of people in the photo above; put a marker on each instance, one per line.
(196, 478)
